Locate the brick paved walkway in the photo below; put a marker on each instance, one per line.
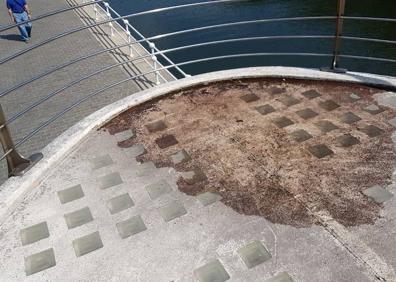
(49, 56)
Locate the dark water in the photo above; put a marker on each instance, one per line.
(166, 22)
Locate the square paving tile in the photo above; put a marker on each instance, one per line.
(101, 161)
(248, 98)
(158, 189)
(39, 262)
(208, 198)
(378, 194)
(311, 94)
(254, 254)
(320, 151)
(135, 150)
(131, 226)
(301, 135)
(307, 113)
(194, 176)
(110, 180)
(145, 169)
(87, 244)
(352, 97)
(328, 105)
(34, 233)
(213, 271)
(392, 122)
(124, 135)
(156, 126)
(280, 277)
(78, 218)
(265, 109)
(373, 109)
(276, 90)
(349, 118)
(120, 203)
(166, 141)
(282, 122)
(180, 157)
(70, 194)
(347, 140)
(326, 126)
(288, 100)
(372, 131)
(172, 210)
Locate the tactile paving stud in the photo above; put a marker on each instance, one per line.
(349, 118)
(280, 277)
(347, 140)
(372, 131)
(172, 210)
(87, 244)
(306, 114)
(265, 109)
(101, 161)
(208, 198)
(70, 194)
(131, 226)
(328, 105)
(288, 100)
(34, 233)
(311, 94)
(378, 194)
(320, 151)
(373, 109)
(110, 180)
(158, 189)
(282, 122)
(213, 271)
(301, 135)
(78, 218)
(156, 126)
(39, 262)
(254, 254)
(248, 98)
(326, 126)
(120, 203)
(166, 141)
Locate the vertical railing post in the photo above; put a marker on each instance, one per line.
(15, 162)
(155, 62)
(107, 6)
(129, 36)
(95, 8)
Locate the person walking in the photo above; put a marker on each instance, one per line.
(19, 12)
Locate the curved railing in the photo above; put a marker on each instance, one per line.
(135, 41)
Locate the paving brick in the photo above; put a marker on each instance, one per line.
(131, 226)
(311, 94)
(70, 194)
(101, 161)
(211, 272)
(158, 189)
(34, 233)
(372, 131)
(87, 244)
(276, 90)
(288, 100)
(350, 118)
(166, 141)
(172, 210)
(326, 126)
(180, 157)
(120, 203)
(156, 126)
(145, 169)
(306, 113)
(347, 140)
(194, 176)
(373, 109)
(110, 180)
(280, 277)
(320, 151)
(282, 122)
(78, 218)
(208, 198)
(301, 135)
(39, 261)
(378, 194)
(249, 98)
(254, 254)
(328, 105)
(134, 151)
(124, 135)
(265, 109)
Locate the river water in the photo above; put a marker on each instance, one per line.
(170, 21)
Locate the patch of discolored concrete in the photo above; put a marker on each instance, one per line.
(245, 137)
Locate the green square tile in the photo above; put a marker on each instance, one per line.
(350, 118)
(208, 198)
(134, 151)
(101, 161)
(34, 233)
(110, 180)
(372, 131)
(288, 100)
(320, 151)
(301, 135)
(124, 135)
(78, 218)
(145, 169)
(39, 262)
(306, 113)
(282, 122)
(347, 140)
(378, 194)
(254, 254)
(70, 194)
(213, 271)
(157, 189)
(329, 105)
(120, 203)
(172, 210)
(180, 157)
(326, 126)
(373, 109)
(311, 94)
(248, 98)
(265, 109)
(156, 126)
(87, 244)
(131, 226)
(280, 277)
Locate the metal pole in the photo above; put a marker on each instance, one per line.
(16, 163)
(109, 17)
(96, 12)
(154, 58)
(126, 22)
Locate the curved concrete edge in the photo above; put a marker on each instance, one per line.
(14, 189)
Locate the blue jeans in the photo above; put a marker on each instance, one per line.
(24, 29)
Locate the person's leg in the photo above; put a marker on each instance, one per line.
(28, 26)
(22, 29)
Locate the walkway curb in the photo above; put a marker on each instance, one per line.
(14, 189)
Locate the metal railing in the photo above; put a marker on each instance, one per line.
(120, 26)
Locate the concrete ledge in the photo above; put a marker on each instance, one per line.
(14, 189)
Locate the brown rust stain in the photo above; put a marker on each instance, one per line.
(258, 168)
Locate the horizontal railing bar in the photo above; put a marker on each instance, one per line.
(161, 36)
(368, 58)
(78, 102)
(72, 31)
(6, 154)
(52, 94)
(369, 19)
(368, 39)
(52, 13)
